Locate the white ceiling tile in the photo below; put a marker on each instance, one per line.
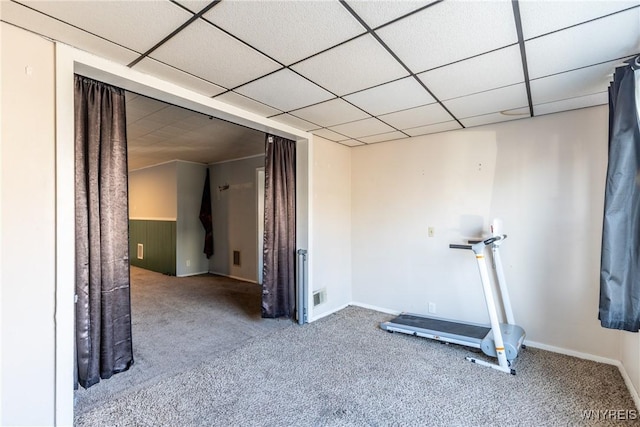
(330, 135)
(205, 51)
(572, 104)
(351, 143)
(41, 24)
(356, 65)
(572, 84)
(195, 6)
(285, 90)
(376, 13)
(414, 117)
(389, 97)
(541, 17)
(288, 31)
(330, 113)
(389, 136)
(598, 41)
(491, 101)
(178, 77)
(295, 122)
(248, 104)
(438, 127)
(494, 118)
(489, 71)
(450, 31)
(359, 128)
(120, 21)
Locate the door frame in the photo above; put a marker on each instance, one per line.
(70, 61)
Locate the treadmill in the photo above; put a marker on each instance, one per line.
(500, 340)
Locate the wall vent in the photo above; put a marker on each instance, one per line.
(319, 297)
(140, 254)
(236, 258)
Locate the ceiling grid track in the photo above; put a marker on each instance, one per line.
(523, 52)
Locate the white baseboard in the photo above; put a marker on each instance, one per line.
(191, 274)
(376, 308)
(242, 279)
(328, 313)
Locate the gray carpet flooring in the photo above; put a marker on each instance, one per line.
(179, 322)
(344, 371)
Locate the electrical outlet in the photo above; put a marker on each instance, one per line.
(431, 231)
(432, 307)
(188, 263)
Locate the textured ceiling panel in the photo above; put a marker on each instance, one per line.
(331, 113)
(414, 117)
(572, 84)
(138, 25)
(359, 128)
(359, 64)
(598, 41)
(285, 90)
(54, 29)
(376, 13)
(438, 127)
(245, 103)
(295, 122)
(389, 136)
(194, 6)
(541, 17)
(494, 118)
(288, 31)
(450, 31)
(489, 71)
(572, 103)
(494, 101)
(351, 143)
(168, 73)
(330, 135)
(394, 96)
(207, 52)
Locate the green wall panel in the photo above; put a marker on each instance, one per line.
(159, 242)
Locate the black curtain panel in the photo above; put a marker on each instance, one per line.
(620, 262)
(278, 288)
(103, 309)
(205, 217)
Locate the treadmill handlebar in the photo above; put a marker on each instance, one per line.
(482, 243)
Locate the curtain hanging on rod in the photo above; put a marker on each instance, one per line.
(620, 258)
(103, 308)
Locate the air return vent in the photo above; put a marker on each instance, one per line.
(319, 297)
(140, 254)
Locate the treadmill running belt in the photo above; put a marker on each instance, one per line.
(437, 325)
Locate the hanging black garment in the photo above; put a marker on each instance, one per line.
(206, 217)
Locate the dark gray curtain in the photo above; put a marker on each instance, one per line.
(103, 310)
(278, 284)
(620, 262)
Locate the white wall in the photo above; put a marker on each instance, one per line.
(189, 230)
(153, 192)
(27, 229)
(235, 217)
(544, 177)
(331, 225)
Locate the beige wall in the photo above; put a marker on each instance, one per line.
(27, 229)
(235, 217)
(331, 224)
(190, 258)
(153, 192)
(544, 177)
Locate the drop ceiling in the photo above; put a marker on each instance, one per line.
(360, 72)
